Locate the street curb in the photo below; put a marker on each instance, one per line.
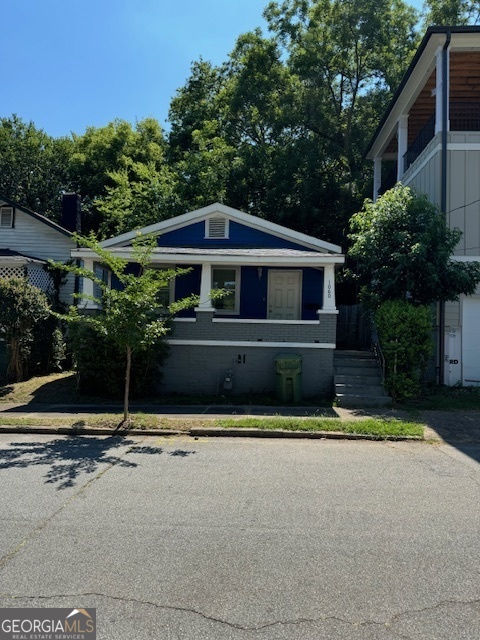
(195, 432)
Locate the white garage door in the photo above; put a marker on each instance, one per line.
(471, 340)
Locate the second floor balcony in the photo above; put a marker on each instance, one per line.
(464, 116)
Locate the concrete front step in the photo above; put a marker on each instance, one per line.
(370, 372)
(361, 363)
(360, 389)
(358, 380)
(360, 400)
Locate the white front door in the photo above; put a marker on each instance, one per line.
(284, 295)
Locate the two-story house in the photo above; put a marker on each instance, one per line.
(429, 139)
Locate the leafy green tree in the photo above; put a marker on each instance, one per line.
(200, 152)
(129, 316)
(116, 165)
(402, 250)
(343, 51)
(33, 166)
(22, 306)
(450, 12)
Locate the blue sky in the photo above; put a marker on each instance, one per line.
(68, 64)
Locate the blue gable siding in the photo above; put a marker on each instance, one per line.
(187, 285)
(241, 236)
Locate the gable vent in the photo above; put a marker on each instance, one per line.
(6, 217)
(217, 228)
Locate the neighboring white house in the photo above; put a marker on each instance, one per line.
(27, 241)
(429, 139)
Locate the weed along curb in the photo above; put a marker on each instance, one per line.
(282, 433)
(195, 432)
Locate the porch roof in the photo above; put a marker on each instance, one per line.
(16, 259)
(257, 257)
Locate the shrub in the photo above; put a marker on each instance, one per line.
(100, 364)
(22, 306)
(405, 333)
(48, 350)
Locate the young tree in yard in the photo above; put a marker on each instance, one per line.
(129, 316)
(21, 306)
(402, 250)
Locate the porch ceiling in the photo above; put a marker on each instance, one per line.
(464, 87)
(413, 96)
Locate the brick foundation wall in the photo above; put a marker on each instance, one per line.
(201, 369)
(323, 331)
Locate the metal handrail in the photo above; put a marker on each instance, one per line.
(377, 349)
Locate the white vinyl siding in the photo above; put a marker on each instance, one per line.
(35, 238)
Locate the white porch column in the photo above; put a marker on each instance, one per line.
(438, 91)
(377, 176)
(205, 303)
(402, 136)
(329, 288)
(88, 287)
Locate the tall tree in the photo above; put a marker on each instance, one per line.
(33, 166)
(450, 12)
(342, 51)
(200, 152)
(112, 165)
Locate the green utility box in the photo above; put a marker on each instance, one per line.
(288, 377)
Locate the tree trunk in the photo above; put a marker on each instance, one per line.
(127, 383)
(15, 365)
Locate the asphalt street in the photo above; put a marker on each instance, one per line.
(243, 539)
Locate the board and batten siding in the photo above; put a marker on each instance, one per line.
(463, 193)
(34, 238)
(424, 175)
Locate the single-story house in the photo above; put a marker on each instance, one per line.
(281, 300)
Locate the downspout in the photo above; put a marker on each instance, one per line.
(443, 194)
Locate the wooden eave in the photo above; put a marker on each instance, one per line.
(414, 95)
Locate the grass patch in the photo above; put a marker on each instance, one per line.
(381, 427)
(445, 399)
(140, 421)
(54, 388)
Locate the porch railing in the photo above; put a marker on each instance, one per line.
(465, 116)
(419, 144)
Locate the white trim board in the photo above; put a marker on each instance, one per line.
(261, 321)
(245, 343)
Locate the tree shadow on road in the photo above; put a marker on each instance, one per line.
(68, 459)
